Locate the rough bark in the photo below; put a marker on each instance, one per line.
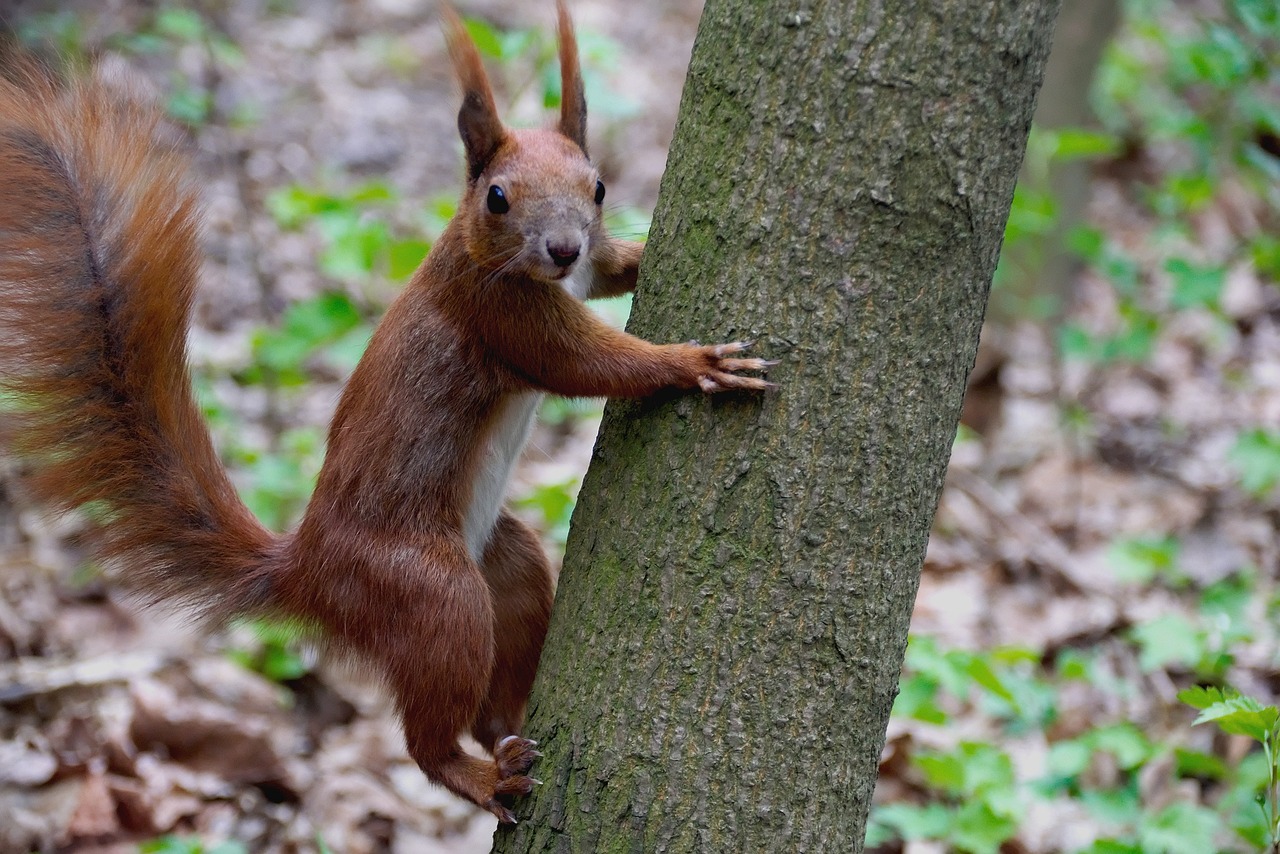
(733, 610)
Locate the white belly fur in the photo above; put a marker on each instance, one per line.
(511, 431)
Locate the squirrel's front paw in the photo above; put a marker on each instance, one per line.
(717, 373)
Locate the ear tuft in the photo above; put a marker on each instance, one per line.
(573, 100)
(478, 123)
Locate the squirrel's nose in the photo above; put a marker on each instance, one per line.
(563, 253)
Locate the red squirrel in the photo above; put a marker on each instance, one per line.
(405, 556)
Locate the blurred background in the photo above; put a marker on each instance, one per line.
(1107, 538)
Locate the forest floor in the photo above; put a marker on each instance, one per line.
(1051, 546)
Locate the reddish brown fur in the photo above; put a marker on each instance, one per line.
(97, 269)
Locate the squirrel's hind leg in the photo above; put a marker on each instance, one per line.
(519, 579)
(437, 652)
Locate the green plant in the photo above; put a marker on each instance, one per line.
(1141, 560)
(1003, 682)
(355, 227)
(278, 654)
(1034, 213)
(554, 503)
(189, 845)
(1256, 458)
(62, 31)
(1236, 714)
(1202, 641)
(1136, 324)
(189, 99)
(528, 58)
(979, 806)
(1197, 89)
(328, 328)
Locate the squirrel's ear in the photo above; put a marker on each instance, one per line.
(478, 123)
(573, 101)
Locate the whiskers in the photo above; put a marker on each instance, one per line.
(627, 221)
(506, 264)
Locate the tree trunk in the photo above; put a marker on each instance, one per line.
(741, 570)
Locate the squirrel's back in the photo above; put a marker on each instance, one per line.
(98, 265)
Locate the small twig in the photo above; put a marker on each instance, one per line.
(1043, 546)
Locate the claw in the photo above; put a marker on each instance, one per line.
(505, 816)
(514, 786)
(726, 349)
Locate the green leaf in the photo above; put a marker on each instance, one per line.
(917, 698)
(1260, 17)
(972, 768)
(980, 671)
(555, 502)
(1121, 270)
(281, 664)
(1118, 806)
(289, 205)
(354, 246)
(189, 105)
(1074, 665)
(1195, 763)
(1181, 828)
(1069, 758)
(404, 256)
(1140, 560)
(942, 771)
(1195, 286)
(980, 830)
(1034, 212)
(1241, 716)
(1111, 846)
(143, 43)
(437, 214)
(1219, 59)
(372, 192)
(1182, 194)
(1125, 742)
(487, 39)
(348, 348)
(1169, 639)
(1204, 696)
(1088, 243)
(1075, 342)
(182, 24)
(1264, 250)
(908, 822)
(1078, 143)
(1256, 456)
(323, 317)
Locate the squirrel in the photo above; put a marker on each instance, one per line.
(405, 556)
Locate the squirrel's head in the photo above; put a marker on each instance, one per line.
(533, 200)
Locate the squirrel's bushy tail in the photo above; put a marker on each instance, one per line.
(98, 263)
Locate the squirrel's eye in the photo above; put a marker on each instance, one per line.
(498, 200)
(599, 192)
